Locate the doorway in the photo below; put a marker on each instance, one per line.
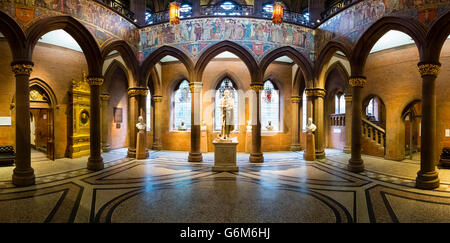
(412, 116)
(41, 121)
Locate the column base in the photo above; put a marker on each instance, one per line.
(195, 157)
(106, 148)
(427, 180)
(157, 147)
(131, 153)
(355, 166)
(320, 154)
(95, 164)
(256, 158)
(23, 177)
(296, 147)
(347, 150)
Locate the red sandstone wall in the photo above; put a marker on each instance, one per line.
(393, 76)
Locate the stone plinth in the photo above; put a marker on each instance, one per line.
(204, 141)
(225, 155)
(141, 152)
(310, 151)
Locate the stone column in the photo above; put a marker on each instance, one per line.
(256, 156)
(295, 146)
(95, 161)
(427, 177)
(157, 101)
(106, 116)
(348, 124)
(195, 155)
(318, 96)
(196, 8)
(356, 164)
(133, 110)
(23, 174)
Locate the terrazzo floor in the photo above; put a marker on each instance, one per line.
(167, 188)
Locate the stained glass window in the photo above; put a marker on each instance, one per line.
(148, 111)
(185, 10)
(270, 107)
(226, 84)
(228, 8)
(182, 106)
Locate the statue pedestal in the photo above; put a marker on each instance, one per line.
(225, 155)
(141, 151)
(248, 142)
(204, 141)
(310, 151)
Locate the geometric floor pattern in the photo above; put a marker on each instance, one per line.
(285, 188)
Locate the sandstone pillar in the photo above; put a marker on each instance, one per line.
(295, 146)
(23, 174)
(106, 120)
(356, 164)
(256, 156)
(427, 177)
(318, 96)
(195, 154)
(95, 161)
(157, 101)
(134, 97)
(348, 124)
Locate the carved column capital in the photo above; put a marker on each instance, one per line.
(137, 91)
(195, 87)
(348, 98)
(22, 68)
(296, 99)
(320, 93)
(357, 81)
(257, 86)
(95, 81)
(429, 69)
(104, 97)
(157, 98)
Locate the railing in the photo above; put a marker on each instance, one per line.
(237, 11)
(336, 7)
(337, 120)
(373, 132)
(119, 7)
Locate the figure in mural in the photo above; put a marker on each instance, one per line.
(227, 106)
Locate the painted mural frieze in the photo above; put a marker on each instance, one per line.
(355, 20)
(103, 23)
(259, 37)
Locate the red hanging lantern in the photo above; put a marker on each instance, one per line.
(277, 16)
(175, 12)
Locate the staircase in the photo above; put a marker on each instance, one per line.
(373, 138)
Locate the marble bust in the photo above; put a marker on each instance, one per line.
(269, 127)
(182, 127)
(310, 127)
(227, 106)
(141, 126)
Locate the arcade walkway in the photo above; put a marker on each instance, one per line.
(166, 188)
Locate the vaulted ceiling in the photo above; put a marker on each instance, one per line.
(293, 5)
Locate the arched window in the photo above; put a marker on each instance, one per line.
(228, 8)
(148, 111)
(372, 110)
(185, 10)
(304, 111)
(226, 84)
(339, 103)
(182, 107)
(270, 107)
(268, 10)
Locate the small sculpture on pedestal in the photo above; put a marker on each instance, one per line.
(227, 106)
(310, 152)
(269, 127)
(182, 127)
(141, 151)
